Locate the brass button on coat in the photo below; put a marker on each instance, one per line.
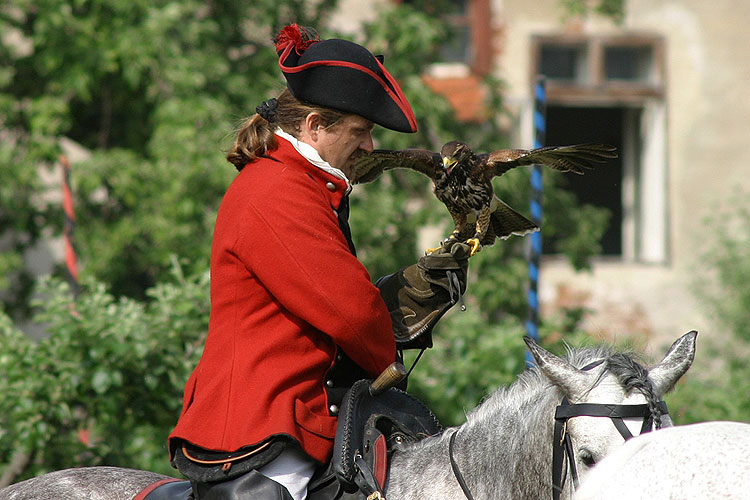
(331, 186)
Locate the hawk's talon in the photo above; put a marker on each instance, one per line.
(428, 251)
(475, 246)
(445, 245)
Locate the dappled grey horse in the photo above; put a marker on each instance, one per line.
(709, 460)
(503, 451)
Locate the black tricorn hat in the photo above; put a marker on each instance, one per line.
(342, 75)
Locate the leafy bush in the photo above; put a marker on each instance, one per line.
(106, 386)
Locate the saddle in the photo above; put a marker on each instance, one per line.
(370, 428)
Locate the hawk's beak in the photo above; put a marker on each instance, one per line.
(448, 163)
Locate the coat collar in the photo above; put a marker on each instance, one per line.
(312, 155)
(337, 187)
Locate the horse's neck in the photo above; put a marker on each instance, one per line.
(503, 450)
(512, 432)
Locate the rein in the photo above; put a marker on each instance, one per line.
(456, 472)
(562, 446)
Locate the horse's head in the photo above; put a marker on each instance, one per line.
(612, 385)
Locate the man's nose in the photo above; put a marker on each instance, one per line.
(367, 143)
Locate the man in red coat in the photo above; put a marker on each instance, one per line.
(295, 318)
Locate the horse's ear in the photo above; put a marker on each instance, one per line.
(573, 382)
(674, 365)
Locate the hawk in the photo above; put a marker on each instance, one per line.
(463, 182)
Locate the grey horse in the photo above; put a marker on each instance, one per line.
(687, 462)
(503, 450)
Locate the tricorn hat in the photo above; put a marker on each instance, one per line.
(342, 75)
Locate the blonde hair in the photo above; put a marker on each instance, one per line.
(256, 137)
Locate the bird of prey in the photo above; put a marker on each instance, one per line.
(463, 182)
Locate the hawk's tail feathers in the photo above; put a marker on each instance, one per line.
(506, 222)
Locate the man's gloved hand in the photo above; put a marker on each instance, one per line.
(419, 295)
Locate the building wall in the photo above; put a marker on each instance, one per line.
(707, 119)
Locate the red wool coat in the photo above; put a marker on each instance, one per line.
(285, 292)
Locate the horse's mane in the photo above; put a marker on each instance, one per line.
(634, 377)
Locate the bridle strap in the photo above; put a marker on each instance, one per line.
(565, 410)
(622, 428)
(454, 466)
(559, 444)
(562, 446)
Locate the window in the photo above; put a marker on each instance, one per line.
(622, 69)
(470, 40)
(630, 64)
(465, 59)
(611, 90)
(458, 49)
(563, 62)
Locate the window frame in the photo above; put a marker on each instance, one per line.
(594, 87)
(645, 225)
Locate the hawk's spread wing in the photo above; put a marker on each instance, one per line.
(369, 166)
(563, 158)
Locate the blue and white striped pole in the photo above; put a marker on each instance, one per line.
(540, 108)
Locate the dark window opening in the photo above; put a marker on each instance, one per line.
(563, 62)
(631, 64)
(601, 186)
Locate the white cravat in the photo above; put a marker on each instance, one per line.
(311, 154)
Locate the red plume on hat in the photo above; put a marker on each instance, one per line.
(342, 75)
(300, 36)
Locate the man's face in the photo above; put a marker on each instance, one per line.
(340, 144)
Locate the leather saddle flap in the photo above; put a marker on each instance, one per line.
(394, 414)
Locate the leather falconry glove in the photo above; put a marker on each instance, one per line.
(419, 295)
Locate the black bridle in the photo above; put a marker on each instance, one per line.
(562, 446)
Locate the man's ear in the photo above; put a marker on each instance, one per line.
(309, 128)
(313, 121)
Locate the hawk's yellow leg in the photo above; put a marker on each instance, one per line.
(483, 223)
(459, 221)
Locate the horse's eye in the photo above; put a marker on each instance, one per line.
(587, 458)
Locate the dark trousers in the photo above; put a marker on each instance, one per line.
(250, 486)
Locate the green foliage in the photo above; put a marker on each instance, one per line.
(470, 359)
(153, 89)
(722, 283)
(714, 390)
(577, 237)
(614, 9)
(24, 213)
(473, 357)
(112, 369)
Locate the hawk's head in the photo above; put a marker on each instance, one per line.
(454, 153)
